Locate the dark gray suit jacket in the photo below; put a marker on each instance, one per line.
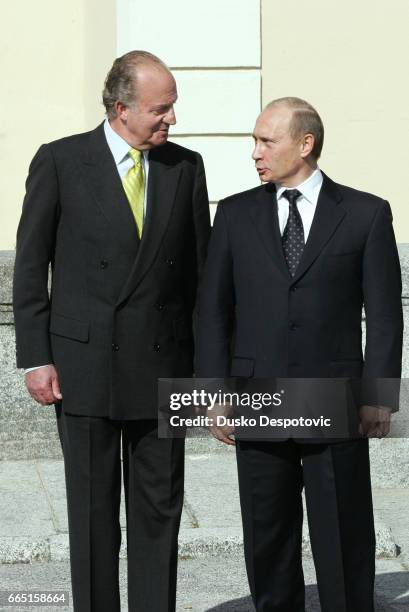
(120, 311)
(257, 321)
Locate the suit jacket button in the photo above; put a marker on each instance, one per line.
(115, 347)
(156, 347)
(159, 306)
(170, 262)
(293, 326)
(104, 264)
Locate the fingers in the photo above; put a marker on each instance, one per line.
(384, 429)
(43, 385)
(41, 392)
(375, 421)
(384, 421)
(379, 429)
(55, 385)
(372, 431)
(222, 434)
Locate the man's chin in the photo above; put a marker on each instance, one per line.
(159, 139)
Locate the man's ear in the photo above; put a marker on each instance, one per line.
(307, 145)
(121, 110)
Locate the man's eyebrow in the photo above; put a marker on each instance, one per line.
(262, 138)
(163, 106)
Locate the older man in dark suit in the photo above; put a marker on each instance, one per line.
(122, 216)
(291, 264)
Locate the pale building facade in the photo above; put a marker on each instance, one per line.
(229, 58)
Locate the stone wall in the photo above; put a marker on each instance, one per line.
(27, 430)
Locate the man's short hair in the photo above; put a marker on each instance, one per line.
(305, 120)
(121, 81)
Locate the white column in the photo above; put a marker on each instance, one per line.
(213, 49)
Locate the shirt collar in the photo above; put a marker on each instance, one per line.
(118, 146)
(309, 188)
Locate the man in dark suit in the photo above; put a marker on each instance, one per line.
(291, 263)
(123, 217)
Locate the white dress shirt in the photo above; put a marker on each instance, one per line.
(306, 204)
(120, 152)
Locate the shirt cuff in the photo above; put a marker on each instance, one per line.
(27, 370)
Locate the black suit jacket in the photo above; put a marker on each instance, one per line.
(120, 310)
(255, 320)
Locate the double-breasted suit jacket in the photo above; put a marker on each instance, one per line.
(119, 314)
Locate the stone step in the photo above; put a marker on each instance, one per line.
(34, 525)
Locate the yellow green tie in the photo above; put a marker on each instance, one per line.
(134, 185)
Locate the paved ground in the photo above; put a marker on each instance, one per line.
(33, 527)
(212, 584)
(33, 518)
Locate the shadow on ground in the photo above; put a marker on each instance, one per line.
(392, 595)
(244, 604)
(392, 590)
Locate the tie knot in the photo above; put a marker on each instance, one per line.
(292, 195)
(135, 155)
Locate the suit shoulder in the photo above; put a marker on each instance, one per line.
(243, 197)
(361, 205)
(70, 141)
(61, 149)
(179, 153)
(363, 199)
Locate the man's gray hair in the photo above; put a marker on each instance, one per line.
(121, 81)
(305, 120)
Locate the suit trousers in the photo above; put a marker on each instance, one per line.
(153, 473)
(336, 478)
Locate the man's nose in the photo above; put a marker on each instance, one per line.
(256, 153)
(170, 117)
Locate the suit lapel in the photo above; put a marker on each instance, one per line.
(264, 215)
(162, 185)
(103, 180)
(328, 215)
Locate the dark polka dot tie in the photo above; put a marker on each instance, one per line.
(293, 235)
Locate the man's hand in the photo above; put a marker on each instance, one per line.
(221, 432)
(43, 385)
(375, 421)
